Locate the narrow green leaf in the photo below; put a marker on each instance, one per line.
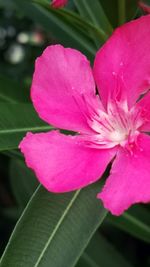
(135, 221)
(15, 121)
(52, 21)
(121, 12)
(95, 14)
(13, 153)
(75, 20)
(22, 181)
(126, 8)
(110, 8)
(54, 229)
(100, 252)
(131, 9)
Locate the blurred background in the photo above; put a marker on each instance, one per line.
(25, 30)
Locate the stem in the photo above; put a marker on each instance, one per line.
(121, 11)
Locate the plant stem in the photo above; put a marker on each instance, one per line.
(121, 12)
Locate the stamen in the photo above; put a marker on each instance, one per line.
(116, 126)
(119, 126)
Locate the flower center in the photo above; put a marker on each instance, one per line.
(116, 126)
(117, 136)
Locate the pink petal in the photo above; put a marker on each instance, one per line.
(58, 3)
(123, 63)
(129, 181)
(62, 76)
(144, 106)
(62, 163)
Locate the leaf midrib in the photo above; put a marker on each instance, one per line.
(56, 228)
(136, 222)
(24, 129)
(8, 98)
(89, 260)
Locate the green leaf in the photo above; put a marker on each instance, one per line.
(135, 221)
(131, 9)
(75, 20)
(53, 21)
(15, 121)
(12, 91)
(110, 8)
(95, 14)
(54, 229)
(127, 10)
(22, 181)
(121, 11)
(13, 153)
(100, 252)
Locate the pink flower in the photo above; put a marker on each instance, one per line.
(111, 126)
(59, 3)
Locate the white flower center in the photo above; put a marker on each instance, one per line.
(117, 136)
(117, 126)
